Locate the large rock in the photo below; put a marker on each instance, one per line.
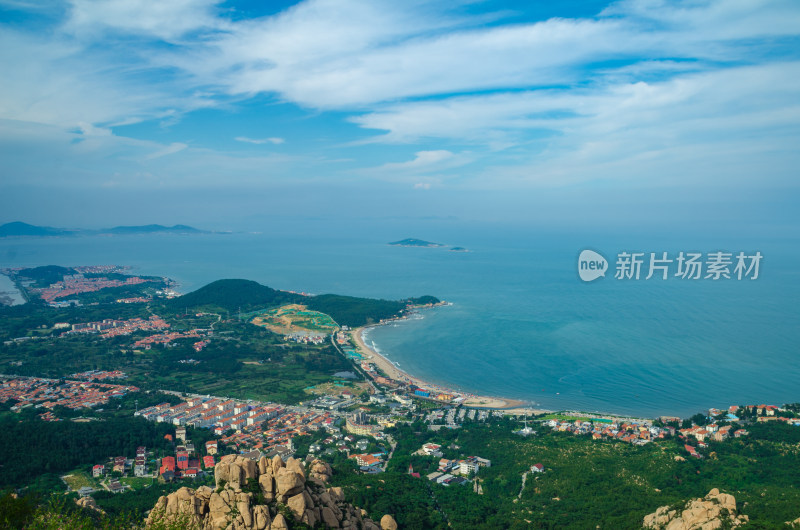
(320, 470)
(295, 465)
(88, 502)
(299, 503)
(235, 470)
(288, 483)
(388, 523)
(267, 485)
(279, 523)
(329, 518)
(277, 463)
(228, 507)
(261, 517)
(715, 510)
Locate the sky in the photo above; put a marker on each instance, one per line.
(232, 115)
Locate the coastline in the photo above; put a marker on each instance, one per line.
(393, 372)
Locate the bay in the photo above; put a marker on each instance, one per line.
(522, 325)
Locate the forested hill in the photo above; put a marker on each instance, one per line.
(247, 295)
(352, 311)
(232, 295)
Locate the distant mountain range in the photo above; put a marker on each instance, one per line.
(19, 229)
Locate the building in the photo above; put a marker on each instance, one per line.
(99, 470)
(366, 460)
(119, 464)
(357, 424)
(167, 464)
(468, 467)
(182, 460)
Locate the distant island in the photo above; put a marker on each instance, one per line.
(415, 243)
(410, 242)
(20, 229)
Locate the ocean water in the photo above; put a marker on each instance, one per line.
(521, 323)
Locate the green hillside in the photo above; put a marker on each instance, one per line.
(232, 295)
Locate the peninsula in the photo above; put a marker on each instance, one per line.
(20, 229)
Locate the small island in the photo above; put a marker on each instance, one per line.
(459, 249)
(416, 243)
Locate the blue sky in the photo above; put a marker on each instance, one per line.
(231, 114)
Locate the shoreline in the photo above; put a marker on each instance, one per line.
(397, 374)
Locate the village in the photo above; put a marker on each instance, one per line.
(49, 393)
(717, 426)
(78, 284)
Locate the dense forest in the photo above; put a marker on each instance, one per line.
(32, 447)
(245, 295)
(232, 295)
(586, 483)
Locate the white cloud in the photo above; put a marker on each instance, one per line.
(260, 141)
(171, 149)
(168, 20)
(640, 80)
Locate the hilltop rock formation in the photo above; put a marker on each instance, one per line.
(265, 495)
(713, 511)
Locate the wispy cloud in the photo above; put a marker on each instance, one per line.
(260, 141)
(171, 149)
(560, 100)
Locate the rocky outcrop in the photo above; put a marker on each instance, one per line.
(715, 510)
(388, 523)
(265, 495)
(87, 502)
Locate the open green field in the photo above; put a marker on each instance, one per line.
(137, 483)
(78, 479)
(295, 318)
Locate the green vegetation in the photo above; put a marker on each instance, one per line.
(232, 295)
(32, 447)
(61, 513)
(423, 300)
(586, 483)
(46, 275)
(292, 318)
(77, 479)
(245, 295)
(352, 311)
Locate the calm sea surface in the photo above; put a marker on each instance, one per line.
(522, 324)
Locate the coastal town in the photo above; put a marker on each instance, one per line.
(50, 393)
(367, 416)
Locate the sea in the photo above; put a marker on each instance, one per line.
(521, 323)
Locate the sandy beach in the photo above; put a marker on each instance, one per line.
(393, 372)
